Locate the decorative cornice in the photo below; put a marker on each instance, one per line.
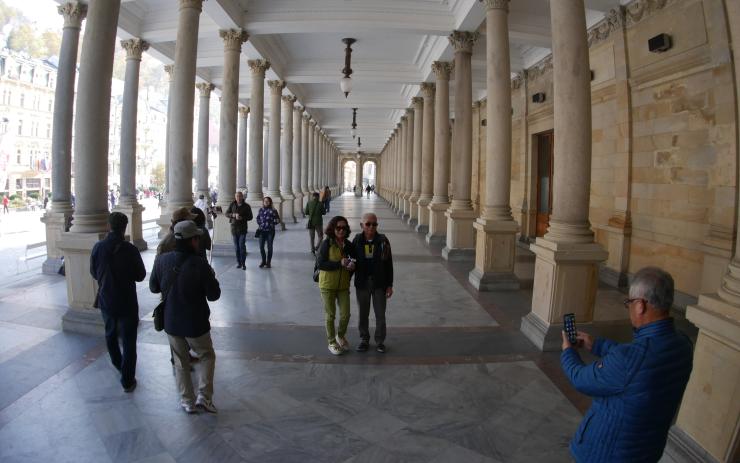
(196, 4)
(442, 69)
(243, 111)
(496, 4)
(517, 81)
(233, 39)
(258, 66)
(205, 89)
(73, 13)
(169, 69)
(134, 48)
(613, 20)
(463, 41)
(641, 9)
(428, 89)
(539, 69)
(289, 99)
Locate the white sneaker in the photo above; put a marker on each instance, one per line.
(335, 349)
(188, 407)
(343, 343)
(205, 404)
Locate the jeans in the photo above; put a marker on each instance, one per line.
(326, 205)
(312, 233)
(331, 298)
(266, 236)
(203, 347)
(240, 246)
(379, 301)
(124, 328)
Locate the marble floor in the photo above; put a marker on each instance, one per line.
(459, 381)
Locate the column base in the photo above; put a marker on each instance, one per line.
(83, 321)
(412, 222)
(495, 255)
(681, 448)
(613, 278)
(81, 287)
(423, 229)
(57, 223)
(52, 265)
(491, 281)
(133, 212)
(460, 244)
(437, 233)
(222, 242)
(278, 203)
(422, 214)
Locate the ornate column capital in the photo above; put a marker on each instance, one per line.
(134, 48)
(258, 66)
(306, 117)
(195, 4)
(276, 86)
(428, 89)
(476, 104)
(416, 102)
(73, 13)
(463, 41)
(243, 111)
(289, 99)
(233, 39)
(496, 4)
(311, 122)
(169, 69)
(442, 69)
(300, 109)
(205, 89)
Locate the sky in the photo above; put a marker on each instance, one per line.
(43, 12)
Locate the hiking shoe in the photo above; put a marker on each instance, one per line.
(381, 348)
(189, 407)
(130, 387)
(343, 343)
(205, 404)
(362, 346)
(262, 264)
(335, 349)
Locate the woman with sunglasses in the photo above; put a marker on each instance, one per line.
(267, 218)
(336, 262)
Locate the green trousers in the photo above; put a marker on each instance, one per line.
(331, 298)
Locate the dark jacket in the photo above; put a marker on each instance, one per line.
(380, 265)
(186, 310)
(332, 274)
(239, 226)
(315, 212)
(116, 264)
(267, 218)
(636, 390)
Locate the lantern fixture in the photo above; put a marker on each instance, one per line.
(354, 122)
(345, 82)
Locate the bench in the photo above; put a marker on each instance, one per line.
(33, 251)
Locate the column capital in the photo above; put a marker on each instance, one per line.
(306, 117)
(404, 117)
(496, 4)
(134, 48)
(300, 109)
(233, 39)
(276, 86)
(258, 66)
(289, 99)
(398, 125)
(311, 122)
(243, 111)
(416, 102)
(428, 89)
(169, 69)
(463, 41)
(74, 13)
(442, 69)
(476, 104)
(205, 89)
(195, 4)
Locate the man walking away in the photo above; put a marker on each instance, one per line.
(116, 265)
(315, 213)
(187, 283)
(239, 213)
(373, 280)
(636, 387)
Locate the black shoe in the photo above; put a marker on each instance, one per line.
(238, 265)
(362, 346)
(262, 264)
(268, 265)
(381, 348)
(244, 266)
(130, 387)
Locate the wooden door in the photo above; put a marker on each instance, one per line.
(545, 148)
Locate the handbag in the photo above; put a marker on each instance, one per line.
(257, 233)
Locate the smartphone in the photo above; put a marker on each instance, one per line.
(569, 325)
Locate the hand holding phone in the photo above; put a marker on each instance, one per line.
(569, 326)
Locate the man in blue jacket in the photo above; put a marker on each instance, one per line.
(636, 387)
(116, 264)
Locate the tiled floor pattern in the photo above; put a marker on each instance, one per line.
(459, 383)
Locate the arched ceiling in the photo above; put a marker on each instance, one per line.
(397, 40)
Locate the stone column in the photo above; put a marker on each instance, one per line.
(286, 162)
(566, 266)
(241, 154)
(201, 165)
(265, 155)
(305, 148)
(496, 229)
(427, 158)
(317, 157)
(273, 171)
(227, 139)
(58, 218)
(91, 125)
(256, 123)
(128, 203)
(708, 418)
(311, 155)
(163, 221)
(398, 173)
(401, 149)
(461, 215)
(409, 165)
(297, 162)
(440, 199)
(418, 108)
(358, 174)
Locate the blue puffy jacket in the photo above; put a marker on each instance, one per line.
(636, 390)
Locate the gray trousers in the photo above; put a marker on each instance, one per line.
(312, 231)
(203, 348)
(364, 296)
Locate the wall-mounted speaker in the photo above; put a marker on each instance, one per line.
(660, 43)
(538, 97)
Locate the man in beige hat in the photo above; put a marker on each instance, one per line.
(168, 242)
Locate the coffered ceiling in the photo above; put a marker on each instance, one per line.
(397, 40)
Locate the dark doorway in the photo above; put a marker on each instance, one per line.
(545, 149)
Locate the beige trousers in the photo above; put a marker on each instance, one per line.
(203, 348)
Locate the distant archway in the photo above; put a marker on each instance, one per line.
(369, 173)
(349, 174)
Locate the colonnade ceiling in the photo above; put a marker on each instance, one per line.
(397, 40)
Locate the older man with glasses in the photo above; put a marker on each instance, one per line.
(636, 387)
(373, 280)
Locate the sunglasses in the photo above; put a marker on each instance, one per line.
(342, 228)
(371, 224)
(627, 302)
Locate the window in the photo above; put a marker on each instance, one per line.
(3, 125)
(2, 65)
(33, 183)
(47, 183)
(19, 184)
(51, 103)
(48, 130)
(23, 99)
(48, 79)
(20, 127)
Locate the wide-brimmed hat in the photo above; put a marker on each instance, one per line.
(182, 214)
(186, 229)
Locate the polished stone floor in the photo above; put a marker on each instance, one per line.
(459, 381)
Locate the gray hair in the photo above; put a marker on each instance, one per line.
(655, 285)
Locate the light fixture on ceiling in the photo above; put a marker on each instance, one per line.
(345, 82)
(359, 144)
(354, 122)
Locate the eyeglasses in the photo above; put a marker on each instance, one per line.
(627, 302)
(342, 228)
(371, 224)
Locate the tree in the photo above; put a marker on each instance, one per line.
(52, 42)
(157, 179)
(25, 39)
(7, 14)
